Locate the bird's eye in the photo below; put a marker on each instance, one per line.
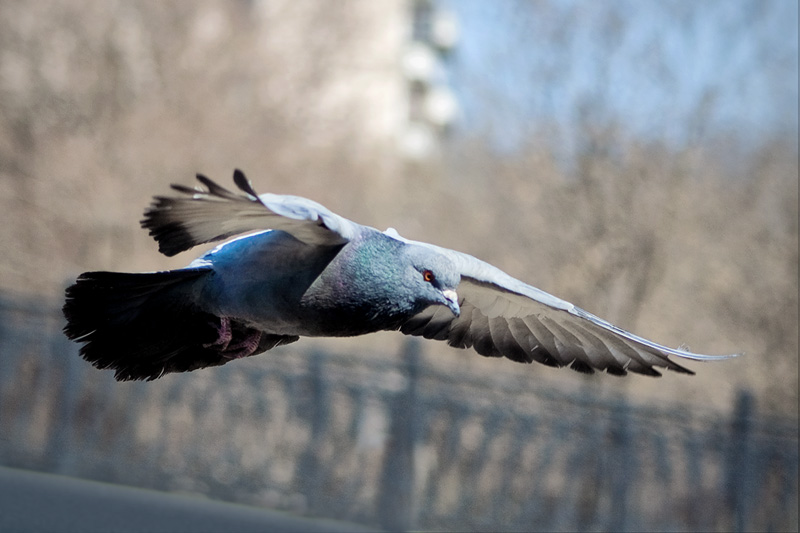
(428, 276)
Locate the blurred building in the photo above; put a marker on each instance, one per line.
(431, 105)
(381, 69)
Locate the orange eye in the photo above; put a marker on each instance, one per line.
(428, 276)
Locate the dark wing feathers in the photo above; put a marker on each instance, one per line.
(502, 316)
(214, 213)
(243, 183)
(547, 336)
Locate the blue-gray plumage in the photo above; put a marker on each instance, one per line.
(310, 272)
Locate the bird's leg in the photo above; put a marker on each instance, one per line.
(243, 346)
(233, 340)
(224, 335)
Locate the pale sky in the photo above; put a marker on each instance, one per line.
(672, 70)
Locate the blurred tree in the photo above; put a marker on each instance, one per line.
(637, 158)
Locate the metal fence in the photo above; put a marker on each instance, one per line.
(392, 442)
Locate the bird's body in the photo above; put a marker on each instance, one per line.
(309, 272)
(343, 290)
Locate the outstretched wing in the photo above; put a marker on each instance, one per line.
(504, 317)
(214, 213)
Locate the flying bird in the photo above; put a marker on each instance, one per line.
(302, 270)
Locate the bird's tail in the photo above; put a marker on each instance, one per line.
(142, 325)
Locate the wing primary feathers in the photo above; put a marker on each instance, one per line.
(577, 311)
(438, 328)
(481, 340)
(244, 184)
(505, 341)
(183, 189)
(210, 212)
(579, 366)
(215, 189)
(459, 332)
(639, 365)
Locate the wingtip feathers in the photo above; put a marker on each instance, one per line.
(244, 184)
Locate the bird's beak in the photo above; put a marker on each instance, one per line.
(452, 301)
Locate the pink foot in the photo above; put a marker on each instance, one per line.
(244, 346)
(224, 335)
(234, 341)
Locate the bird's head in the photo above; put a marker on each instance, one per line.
(433, 276)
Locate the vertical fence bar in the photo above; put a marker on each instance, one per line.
(65, 375)
(310, 465)
(739, 468)
(396, 506)
(623, 468)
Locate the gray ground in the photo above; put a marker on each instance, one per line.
(32, 502)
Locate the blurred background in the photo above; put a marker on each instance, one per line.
(637, 158)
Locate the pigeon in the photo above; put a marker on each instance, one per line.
(290, 268)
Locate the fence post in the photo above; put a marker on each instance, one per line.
(623, 468)
(310, 475)
(65, 373)
(739, 478)
(396, 505)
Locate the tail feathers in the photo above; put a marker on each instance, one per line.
(145, 325)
